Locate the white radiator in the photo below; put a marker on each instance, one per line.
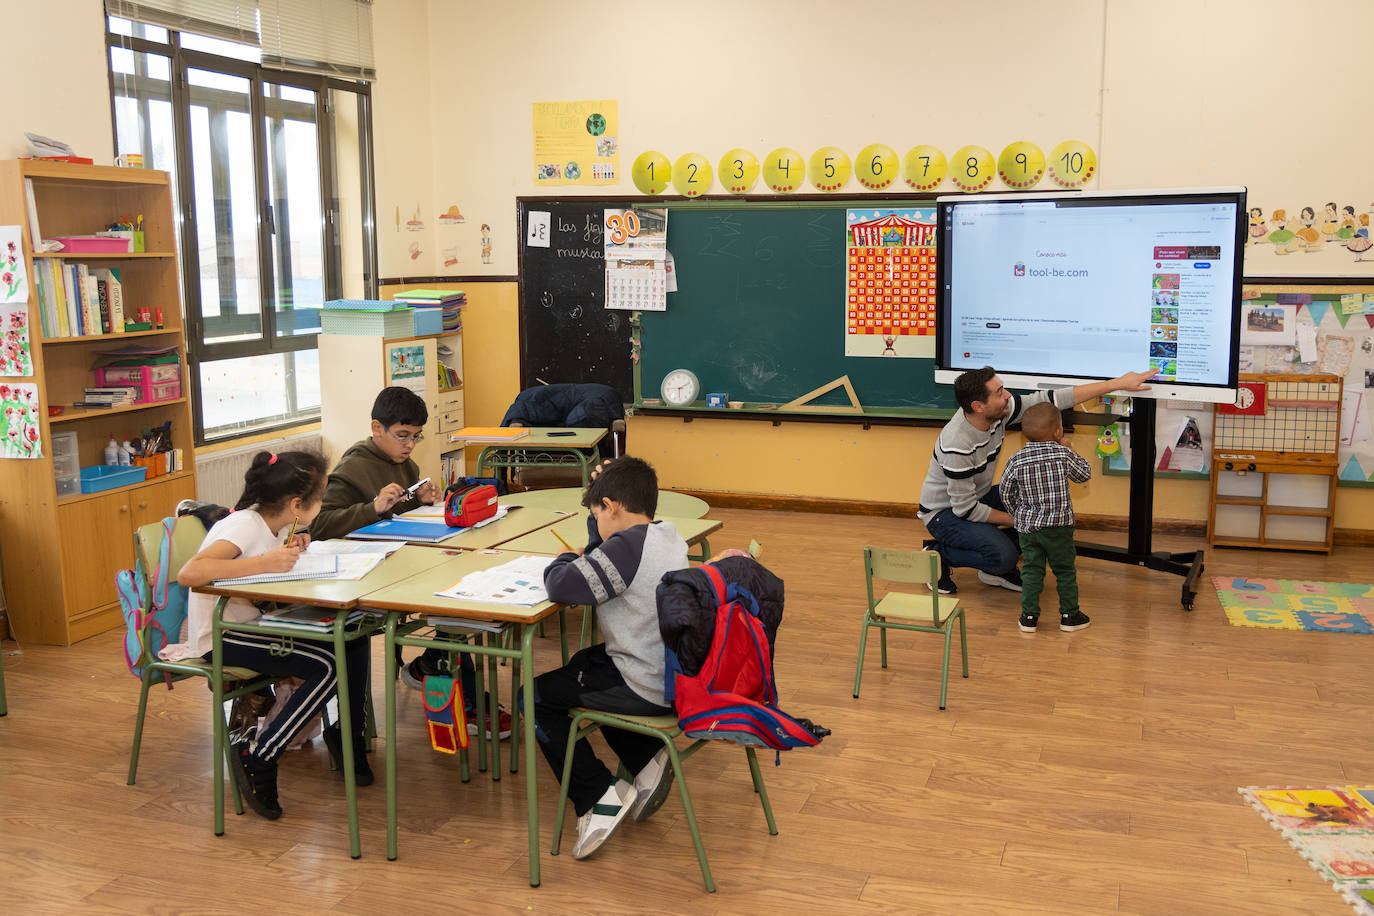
(219, 475)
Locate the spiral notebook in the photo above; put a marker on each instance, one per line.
(308, 566)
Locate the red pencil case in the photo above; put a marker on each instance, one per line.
(470, 505)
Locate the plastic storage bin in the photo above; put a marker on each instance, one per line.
(66, 463)
(109, 376)
(104, 477)
(85, 244)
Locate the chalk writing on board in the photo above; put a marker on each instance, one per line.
(723, 235)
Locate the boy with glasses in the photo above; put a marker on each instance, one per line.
(369, 484)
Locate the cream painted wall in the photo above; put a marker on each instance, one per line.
(56, 78)
(1170, 94)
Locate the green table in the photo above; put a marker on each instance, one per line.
(545, 446)
(519, 521)
(341, 594)
(573, 529)
(416, 596)
(569, 499)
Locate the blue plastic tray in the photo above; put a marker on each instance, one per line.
(107, 477)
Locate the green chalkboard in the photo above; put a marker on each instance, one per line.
(760, 312)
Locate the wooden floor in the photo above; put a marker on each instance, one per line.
(1092, 772)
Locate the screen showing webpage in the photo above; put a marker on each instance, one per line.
(1074, 289)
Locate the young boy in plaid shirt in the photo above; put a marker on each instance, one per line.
(1035, 489)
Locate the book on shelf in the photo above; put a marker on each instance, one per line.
(489, 434)
(112, 292)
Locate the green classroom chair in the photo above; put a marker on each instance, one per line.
(665, 729)
(933, 613)
(187, 536)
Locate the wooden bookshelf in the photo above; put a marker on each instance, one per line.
(59, 571)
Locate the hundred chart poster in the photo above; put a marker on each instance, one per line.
(890, 282)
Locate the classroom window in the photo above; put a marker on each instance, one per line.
(272, 187)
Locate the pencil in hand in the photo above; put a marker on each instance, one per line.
(561, 541)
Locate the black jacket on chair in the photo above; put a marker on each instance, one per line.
(687, 607)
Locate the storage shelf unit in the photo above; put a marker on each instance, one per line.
(61, 552)
(1274, 471)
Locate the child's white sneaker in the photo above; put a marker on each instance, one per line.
(652, 785)
(596, 826)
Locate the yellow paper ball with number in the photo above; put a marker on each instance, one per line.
(784, 170)
(971, 168)
(876, 166)
(829, 168)
(692, 175)
(924, 167)
(1072, 164)
(651, 172)
(1021, 165)
(738, 171)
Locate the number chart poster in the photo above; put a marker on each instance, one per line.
(577, 142)
(890, 283)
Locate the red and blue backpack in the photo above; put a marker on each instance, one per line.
(734, 697)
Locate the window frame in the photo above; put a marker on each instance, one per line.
(269, 343)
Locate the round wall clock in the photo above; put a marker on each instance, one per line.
(680, 387)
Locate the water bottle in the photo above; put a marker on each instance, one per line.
(112, 453)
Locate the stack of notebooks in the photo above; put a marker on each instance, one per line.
(450, 300)
(108, 397)
(301, 617)
(308, 566)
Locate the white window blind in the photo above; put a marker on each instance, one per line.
(236, 20)
(319, 36)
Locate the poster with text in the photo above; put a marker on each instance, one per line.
(890, 282)
(19, 429)
(577, 142)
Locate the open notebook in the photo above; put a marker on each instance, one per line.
(308, 566)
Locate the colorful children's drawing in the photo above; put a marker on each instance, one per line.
(14, 283)
(890, 282)
(15, 357)
(19, 429)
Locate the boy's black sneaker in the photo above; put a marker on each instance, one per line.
(1027, 622)
(333, 742)
(946, 584)
(1011, 581)
(1075, 621)
(257, 781)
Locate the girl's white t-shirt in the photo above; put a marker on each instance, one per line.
(246, 530)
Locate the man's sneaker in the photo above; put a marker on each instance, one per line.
(257, 781)
(946, 584)
(503, 718)
(333, 742)
(652, 785)
(1075, 621)
(596, 826)
(1027, 622)
(413, 674)
(1010, 581)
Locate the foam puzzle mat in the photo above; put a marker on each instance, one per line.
(1288, 604)
(1332, 828)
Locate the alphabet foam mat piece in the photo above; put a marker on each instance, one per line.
(1288, 604)
(1332, 828)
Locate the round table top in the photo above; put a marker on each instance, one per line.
(569, 499)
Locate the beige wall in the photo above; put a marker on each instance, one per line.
(56, 78)
(1170, 93)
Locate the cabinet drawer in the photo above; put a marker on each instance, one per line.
(451, 420)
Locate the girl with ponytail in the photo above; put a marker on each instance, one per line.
(266, 533)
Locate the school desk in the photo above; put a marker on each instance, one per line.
(519, 521)
(341, 594)
(415, 598)
(569, 499)
(545, 446)
(573, 529)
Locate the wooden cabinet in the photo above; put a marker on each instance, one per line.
(1274, 464)
(61, 552)
(354, 368)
